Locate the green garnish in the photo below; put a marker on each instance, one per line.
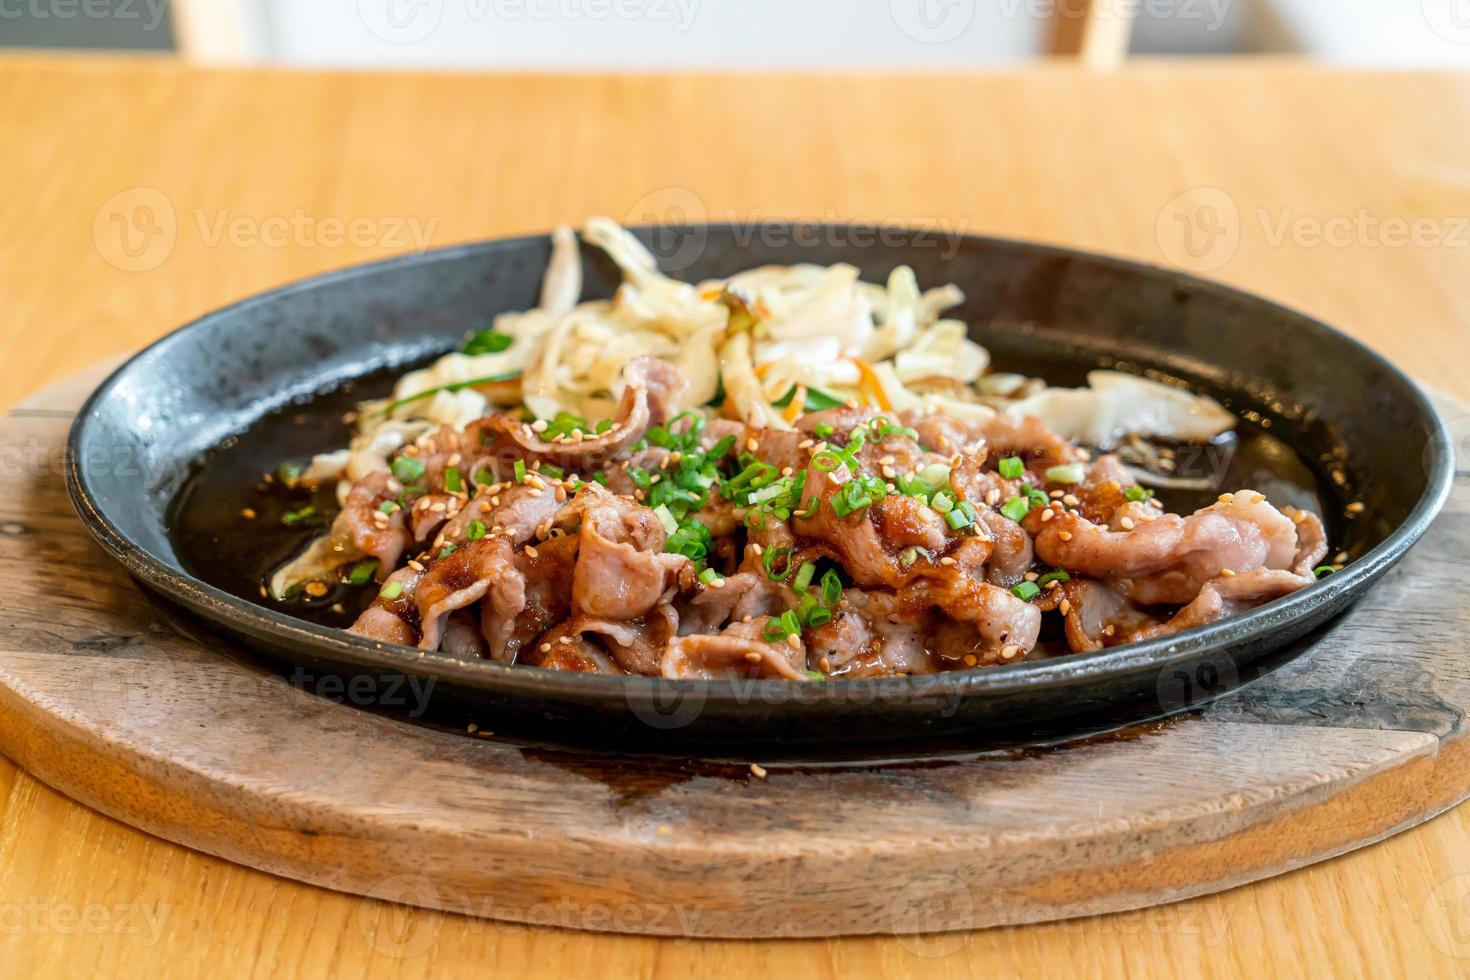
(520, 470)
(454, 388)
(815, 675)
(391, 591)
(487, 342)
(475, 531)
(483, 477)
(831, 587)
(1138, 494)
(449, 549)
(1056, 575)
(804, 576)
(666, 519)
(553, 472)
(816, 399)
(942, 502)
(305, 515)
(774, 558)
(1016, 508)
(1026, 591)
(289, 472)
(774, 631)
(452, 482)
(790, 623)
(1068, 473)
(958, 520)
(407, 469)
(362, 572)
(1322, 571)
(389, 506)
(1012, 468)
(707, 576)
(823, 430)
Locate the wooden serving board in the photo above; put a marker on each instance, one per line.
(110, 699)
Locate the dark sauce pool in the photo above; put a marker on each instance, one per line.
(222, 547)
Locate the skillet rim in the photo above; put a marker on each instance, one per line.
(282, 631)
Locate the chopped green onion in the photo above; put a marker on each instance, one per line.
(602, 426)
(958, 519)
(820, 616)
(823, 430)
(934, 477)
(454, 388)
(407, 469)
(808, 605)
(1012, 468)
(552, 472)
(666, 519)
(804, 576)
(362, 572)
(1036, 495)
(816, 400)
(942, 503)
(306, 515)
(600, 478)
(789, 623)
(1137, 494)
(1068, 473)
(487, 342)
(391, 591)
(774, 631)
(1322, 571)
(1026, 591)
(289, 472)
(483, 477)
(774, 557)
(826, 461)
(449, 549)
(707, 576)
(831, 587)
(520, 470)
(389, 506)
(815, 675)
(722, 448)
(475, 531)
(1056, 575)
(452, 482)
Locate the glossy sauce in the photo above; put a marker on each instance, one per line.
(217, 544)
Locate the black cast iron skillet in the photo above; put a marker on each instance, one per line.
(1337, 403)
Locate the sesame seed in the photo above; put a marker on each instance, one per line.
(805, 444)
(546, 648)
(437, 507)
(1065, 535)
(415, 565)
(1032, 576)
(539, 425)
(566, 640)
(249, 513)
(971, 660)
(1047, 515)
(531, 551)
(947, 560)
(759, 772)
(751, 444)
(793, 641)
(1009, 651)
(755, 546)
(454, 459)
(316, 589)
(717, 583)
(889, 473)
(1065, 607)
(1228, 572)
(1056, 495)
(1126, 523)
(753, 657)
(886, 461)
(1109, 630)
(1225, 498)
(1356, 507)
(1071, 500)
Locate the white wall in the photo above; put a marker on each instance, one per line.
(725, 34)
(633, 34)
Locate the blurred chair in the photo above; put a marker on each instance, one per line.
(1096, 32)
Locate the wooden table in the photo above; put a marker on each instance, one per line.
(136, 194)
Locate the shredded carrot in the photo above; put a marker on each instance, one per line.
(874, 386)
(761, 370)
(797, 406)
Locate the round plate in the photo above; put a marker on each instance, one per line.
(1339, 405)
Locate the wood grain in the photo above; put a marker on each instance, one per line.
(1050, 153)
(140, 714)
